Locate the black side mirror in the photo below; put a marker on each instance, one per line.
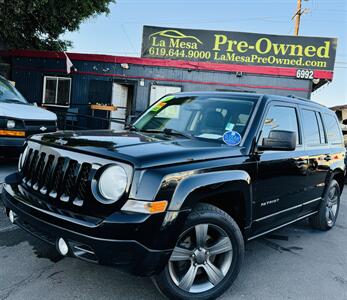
(279, 140)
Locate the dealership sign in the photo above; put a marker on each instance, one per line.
(301, 53)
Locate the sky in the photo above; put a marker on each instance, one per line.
(120, 32)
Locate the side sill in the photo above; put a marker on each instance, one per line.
(283, 225)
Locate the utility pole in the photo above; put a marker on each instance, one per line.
(299, 12)
(297, 18)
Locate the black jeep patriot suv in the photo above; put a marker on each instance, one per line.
(177, 194)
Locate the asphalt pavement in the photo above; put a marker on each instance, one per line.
(295, 262)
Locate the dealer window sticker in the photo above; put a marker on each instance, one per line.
(158, 106)
(168, 98)
(229, 127)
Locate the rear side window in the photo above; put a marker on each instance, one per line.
(323, 139)
(310, 127)
(280, 118)
(332, 129)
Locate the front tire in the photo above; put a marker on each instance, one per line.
(329, 208)
(207, 257)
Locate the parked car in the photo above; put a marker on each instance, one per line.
(177, 195)
(20, 119)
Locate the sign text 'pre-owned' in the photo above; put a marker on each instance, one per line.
(239, 48)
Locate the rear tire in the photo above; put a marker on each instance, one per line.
(329, 208)
(207, 257)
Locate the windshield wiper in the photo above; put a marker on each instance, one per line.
(12, 101)
(171, 131)
(168, 131)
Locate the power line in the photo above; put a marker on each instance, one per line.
(128, 37)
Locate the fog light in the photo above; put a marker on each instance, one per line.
(62, 247)
(11, 216)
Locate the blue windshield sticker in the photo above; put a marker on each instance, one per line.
(232, 138)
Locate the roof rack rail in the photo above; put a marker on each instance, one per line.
(296, 97)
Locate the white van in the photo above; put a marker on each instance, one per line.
(20, 119)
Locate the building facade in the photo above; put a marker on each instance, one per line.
(132, 84)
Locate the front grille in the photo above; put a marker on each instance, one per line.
(61, 181)
(39, 123)
(61, 178)
(33, 127)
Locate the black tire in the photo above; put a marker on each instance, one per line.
(202, 215)
(322, 220)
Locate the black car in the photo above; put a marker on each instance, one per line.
(177, 195)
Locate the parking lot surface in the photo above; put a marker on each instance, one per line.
(295, 262)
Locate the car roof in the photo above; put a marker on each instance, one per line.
(262, 97)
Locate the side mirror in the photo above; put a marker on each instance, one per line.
(281, 140)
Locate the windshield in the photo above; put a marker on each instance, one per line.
(206, 117)
(9, 94)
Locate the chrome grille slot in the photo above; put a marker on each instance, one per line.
(27, 161)
(83, 180)
(38, 171)
(32, 167)
(44, 180)
(57, 177)
(70, 179)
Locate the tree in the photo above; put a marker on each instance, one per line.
(38, 24)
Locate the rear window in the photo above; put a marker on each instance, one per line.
(332, 129)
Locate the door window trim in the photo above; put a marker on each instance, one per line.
(315, 114)
(321, 123)
(273, 103)
(326, 133)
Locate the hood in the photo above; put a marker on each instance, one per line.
(143, 150)
(25, 112)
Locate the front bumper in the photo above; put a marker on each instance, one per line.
(129, 254)
(11, 145)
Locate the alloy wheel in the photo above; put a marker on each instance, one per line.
(201, 259)
(332, 206)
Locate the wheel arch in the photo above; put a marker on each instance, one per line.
(224, 189)
(339, 176)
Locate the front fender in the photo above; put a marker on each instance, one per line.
(191, 189)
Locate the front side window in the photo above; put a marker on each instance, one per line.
(56, 91)
(9, 94)
(205, 117)
(333, 129)
(280, 118)
(311, 128)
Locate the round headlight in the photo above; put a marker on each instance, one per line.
(112, 184)
(11, 124)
